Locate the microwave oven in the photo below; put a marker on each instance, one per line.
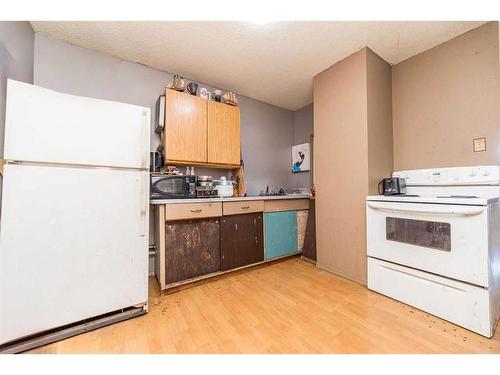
(172, 186)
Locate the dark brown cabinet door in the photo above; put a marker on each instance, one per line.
(241, 240)
(310, 236)
(192, 248)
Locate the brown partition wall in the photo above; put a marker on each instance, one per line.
(353, 151)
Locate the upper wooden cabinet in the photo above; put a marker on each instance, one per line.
(185, 137)
(199, 131)
(223, 134)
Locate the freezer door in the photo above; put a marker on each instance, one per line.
(73, 245)
(42, 125)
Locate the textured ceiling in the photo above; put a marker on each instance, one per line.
(274, 63)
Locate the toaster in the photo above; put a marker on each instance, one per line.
(392, 186)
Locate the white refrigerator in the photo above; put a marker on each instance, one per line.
(74, 210)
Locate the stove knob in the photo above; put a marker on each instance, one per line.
(472, 173)
(486, 172)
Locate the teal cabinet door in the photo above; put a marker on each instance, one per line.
(280, 233)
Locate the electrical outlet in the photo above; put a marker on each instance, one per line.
(479, 144)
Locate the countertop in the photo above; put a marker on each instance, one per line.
(231, 199)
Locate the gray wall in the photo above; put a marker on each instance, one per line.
(16, 60)
(302, 132)
(267, 131)
(266, 135)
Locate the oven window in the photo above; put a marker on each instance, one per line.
(432, 234)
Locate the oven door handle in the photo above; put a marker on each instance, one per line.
(432, 210)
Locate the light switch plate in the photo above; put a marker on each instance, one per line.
(479, 144)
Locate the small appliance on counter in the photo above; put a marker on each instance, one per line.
(205, 187)
(164, 186)
(155, 161)
(392, 186)
(224, 187)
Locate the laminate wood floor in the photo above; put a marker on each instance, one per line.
(285, 307)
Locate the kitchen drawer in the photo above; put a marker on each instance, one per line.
(187, 211)
(243, 207)
(286, 205)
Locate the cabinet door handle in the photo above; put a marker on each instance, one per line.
(245, 207)
(196, 211)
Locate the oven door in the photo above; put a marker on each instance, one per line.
(447, 240)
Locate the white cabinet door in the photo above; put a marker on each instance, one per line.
(73, 245)
(42, 125)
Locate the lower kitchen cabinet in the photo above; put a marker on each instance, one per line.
(310, 234)
(191, 249)
(301, 228)
(241, 240)
(280, 231)
(198, 240)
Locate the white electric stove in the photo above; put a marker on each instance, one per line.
(438, 246)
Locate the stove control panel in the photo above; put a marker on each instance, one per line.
(477, 175)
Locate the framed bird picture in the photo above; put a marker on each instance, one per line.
(301, 158)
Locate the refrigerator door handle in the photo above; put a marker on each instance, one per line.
(144, 140)
(143, 204)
